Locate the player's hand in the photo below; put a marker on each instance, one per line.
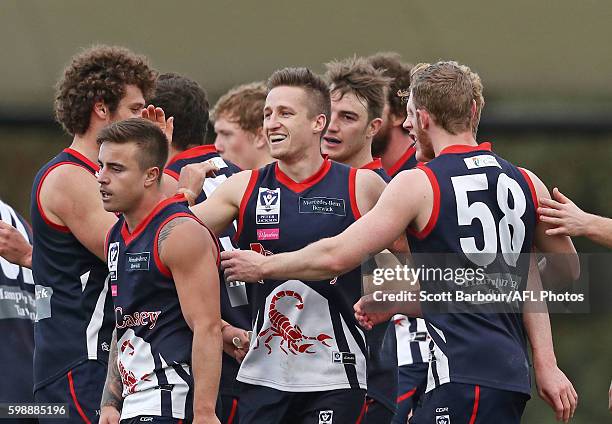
(242, 265)
(14, 247)
(556, 389)
(566, 218)
(191, 180)
(236, 342)
(367, 315)
(158, 117)
(209, 418)
(109, 415)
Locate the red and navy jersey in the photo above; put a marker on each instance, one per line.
(17, 314)
(484, 214)
(382, 360)
(234, 296)
(153, 340)
(74, 312)
(406, 162)
(305, 337)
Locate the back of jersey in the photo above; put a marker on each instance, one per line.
(482, 224)
(74, 314)
(17, 312)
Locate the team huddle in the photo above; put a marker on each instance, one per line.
(181, 281)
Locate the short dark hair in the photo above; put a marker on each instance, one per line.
(186, 101)
(99, 73)
(314, 86)
(243, 105)
(151, 141)
(399, 72)
(357, 76)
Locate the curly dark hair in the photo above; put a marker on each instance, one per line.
(99, 73)
(392, 66)
(186, 101)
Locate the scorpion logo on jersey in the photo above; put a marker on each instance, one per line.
(280, 326)
(128, 378)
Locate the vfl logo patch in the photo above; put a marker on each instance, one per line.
(113, 260)
(268, 234)
(137, 261)
(344, 358)
(442, 419)
(323, 205)
(326, 417)
(268, 206)
(481, 161)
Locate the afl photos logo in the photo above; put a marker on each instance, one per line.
(268, 206)
(113, 260)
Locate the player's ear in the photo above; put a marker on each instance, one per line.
(319, 123)
(101, 110)
(373, 127)
(423, 117)
(260, 139)
(474, 110)
(152, 176)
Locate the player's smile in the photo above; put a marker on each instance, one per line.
(275, 138)
(105, 195)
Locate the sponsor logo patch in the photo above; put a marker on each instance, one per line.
(113, 260)
(343, 358)
(268, 234)
(114, 290)
(326, 417)
(137, 261)
(268, 206)
(481, 161)
(323, 205)
(443, 419)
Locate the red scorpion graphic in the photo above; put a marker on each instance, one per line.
(128, 378)
(280, 326)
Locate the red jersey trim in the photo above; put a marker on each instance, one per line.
(476, 402)
(465, 148)
(375, 164)
(95, 167)
(307, 183)
(171, 173)
(435, 212)
(75, 400)
(401, 161)
(160, 265)
(192, 153)
(129, 237)
(60, 228)
(245, 200)
(534, 194)
(352, 195)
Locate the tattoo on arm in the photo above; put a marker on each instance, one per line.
(113, 387)
(165, 232)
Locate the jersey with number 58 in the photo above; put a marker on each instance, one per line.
(480, 233)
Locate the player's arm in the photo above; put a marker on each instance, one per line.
(222, 206)
(112, 398)
(191, 180)
(566, 218)
(377, 229)
(190, 253)
(14, 247)
(562, 260)
(553, 385)
(71, 197)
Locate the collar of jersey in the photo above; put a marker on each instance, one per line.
(375, 164)
(129, 237)
(193, 152)
(307, 183)
(82, 158)
(464, 148)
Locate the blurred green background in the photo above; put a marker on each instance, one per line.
(543, 63)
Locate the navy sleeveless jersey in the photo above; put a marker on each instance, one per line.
(153, 340)
(485, 215)
(74, 315)
(305, 336)
(406, 162)
(382, 360)
(234, 296)
(17, 313)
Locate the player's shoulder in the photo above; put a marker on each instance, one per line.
(69, 181)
